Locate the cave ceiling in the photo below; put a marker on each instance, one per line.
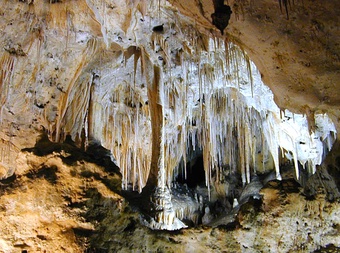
(295, 46)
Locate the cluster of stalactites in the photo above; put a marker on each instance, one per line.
(7, 62)
(204, 110)
(206, 87)
(216, 107)
(193, 66)
(126, 127)
(230, 135)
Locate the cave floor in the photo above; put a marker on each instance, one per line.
(65, 202)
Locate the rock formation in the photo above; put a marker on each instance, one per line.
(147, 100)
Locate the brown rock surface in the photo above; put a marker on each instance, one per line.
(65, 202)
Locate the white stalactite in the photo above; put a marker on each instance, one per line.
(212, 100)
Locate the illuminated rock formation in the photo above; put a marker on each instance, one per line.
(155, 88)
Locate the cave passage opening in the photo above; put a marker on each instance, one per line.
(194, 174)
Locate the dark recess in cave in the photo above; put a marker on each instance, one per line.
(220, 18)
(195, 173)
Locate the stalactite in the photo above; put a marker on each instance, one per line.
(76, 113)
(8, 155)
(284, 3)
(65, 99)
(7, 63)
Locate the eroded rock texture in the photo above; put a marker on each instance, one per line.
(147, 96)
(65, 201)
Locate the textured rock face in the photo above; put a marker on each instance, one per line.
(159, 87)
(65, 201)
